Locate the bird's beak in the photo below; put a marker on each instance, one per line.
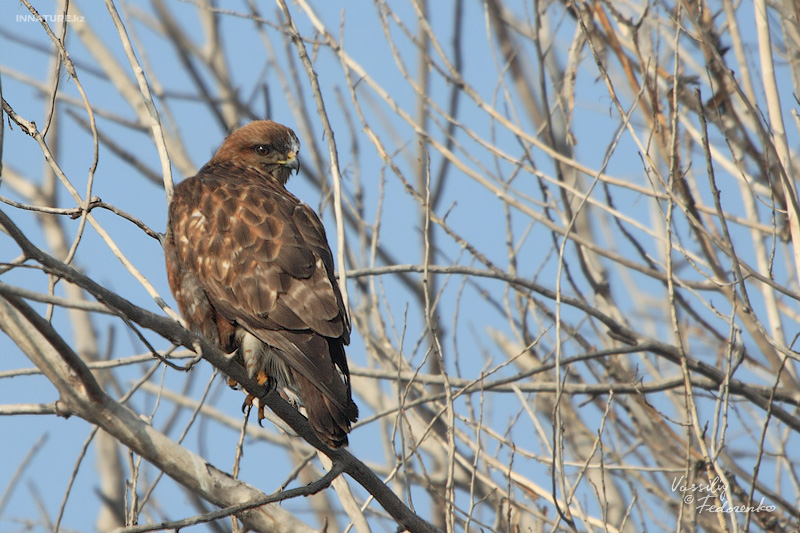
(292, 162)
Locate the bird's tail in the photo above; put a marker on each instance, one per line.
(317, 369)
(330, 421)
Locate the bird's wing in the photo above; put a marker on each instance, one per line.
(262, 259)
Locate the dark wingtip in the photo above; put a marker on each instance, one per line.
(352, 411)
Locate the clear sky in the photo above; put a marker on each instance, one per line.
(471, 320)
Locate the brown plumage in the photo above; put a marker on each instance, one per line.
(251, 271)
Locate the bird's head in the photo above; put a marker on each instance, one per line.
(267, 146)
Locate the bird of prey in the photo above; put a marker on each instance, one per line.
(251, 270)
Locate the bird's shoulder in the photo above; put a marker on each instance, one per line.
(226, 193)
(233, 180)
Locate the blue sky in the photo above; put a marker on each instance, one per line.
(469, 207)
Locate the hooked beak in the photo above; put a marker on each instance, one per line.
(293, 163)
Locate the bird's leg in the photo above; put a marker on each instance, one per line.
(261, 378)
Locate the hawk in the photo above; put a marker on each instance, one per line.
(251, 270)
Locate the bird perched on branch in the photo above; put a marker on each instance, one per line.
(251, 271)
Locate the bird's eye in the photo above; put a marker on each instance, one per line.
(262, 149)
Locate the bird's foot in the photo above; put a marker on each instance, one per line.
(262, 379)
